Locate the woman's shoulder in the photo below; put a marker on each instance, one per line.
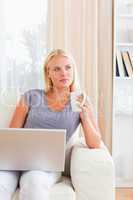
(33, 96)
(33, 92)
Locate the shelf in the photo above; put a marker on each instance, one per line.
(125, 44)
(124, 183)
(125, 16)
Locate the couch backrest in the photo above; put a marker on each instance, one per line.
(8, 101)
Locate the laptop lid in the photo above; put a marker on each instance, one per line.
(32, 149)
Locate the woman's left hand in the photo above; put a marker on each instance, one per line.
(91, 130)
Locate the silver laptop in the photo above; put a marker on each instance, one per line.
(32, 149)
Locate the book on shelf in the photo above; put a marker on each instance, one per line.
(131, 58)
(116, 69)
(120, 65)
(127, 63)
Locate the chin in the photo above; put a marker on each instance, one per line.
(65, 86)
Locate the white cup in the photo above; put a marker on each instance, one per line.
(75, 104)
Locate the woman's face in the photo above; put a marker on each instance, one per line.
(60, 71)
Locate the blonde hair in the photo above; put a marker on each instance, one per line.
(47, 81)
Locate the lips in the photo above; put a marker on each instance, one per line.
(64, 80)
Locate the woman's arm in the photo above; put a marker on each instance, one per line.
(19, 115)
(90, 128)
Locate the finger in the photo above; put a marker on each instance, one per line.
(83, 107)
(79, 99)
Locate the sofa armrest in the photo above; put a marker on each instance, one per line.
(92, 173)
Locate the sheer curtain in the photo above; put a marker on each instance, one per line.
(24, 28)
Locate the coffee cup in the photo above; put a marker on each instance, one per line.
(77, 99)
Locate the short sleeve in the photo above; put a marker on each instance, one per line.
(33, 98)
(27, 98)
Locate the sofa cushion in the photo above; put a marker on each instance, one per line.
(92, 173)
(60, 191)
(8, 101)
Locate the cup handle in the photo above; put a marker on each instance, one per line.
(84, 98)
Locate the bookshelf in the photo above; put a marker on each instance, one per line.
(122, 145)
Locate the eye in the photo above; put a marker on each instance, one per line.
(68, 67)
(56, 69)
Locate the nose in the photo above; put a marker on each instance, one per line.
(63, 71)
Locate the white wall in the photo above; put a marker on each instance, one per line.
(123, 131)
(122, 150)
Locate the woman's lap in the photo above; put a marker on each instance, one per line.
(8, 184)
(9, 178)
(35, 177)
(33, 184)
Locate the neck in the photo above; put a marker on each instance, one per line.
(61, 92)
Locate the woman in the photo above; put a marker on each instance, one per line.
(49, 108)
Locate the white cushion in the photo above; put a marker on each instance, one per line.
(8, 101)
(63, 190)
(60, 191)
(92, 173)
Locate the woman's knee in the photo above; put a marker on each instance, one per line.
(35, 178)
(34, 183)
(8, 183)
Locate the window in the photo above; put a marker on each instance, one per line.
(24, 43)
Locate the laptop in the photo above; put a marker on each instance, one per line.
(32, 149)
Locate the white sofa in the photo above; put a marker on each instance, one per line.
(92, 170)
